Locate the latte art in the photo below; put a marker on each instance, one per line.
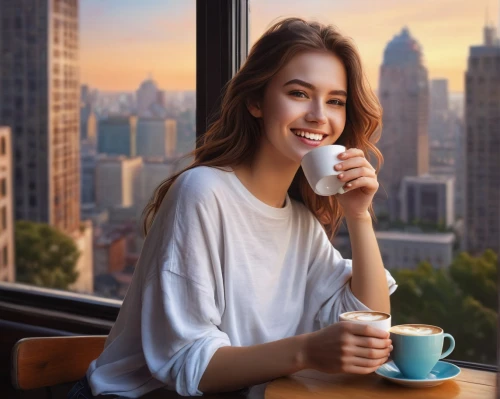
(415, 329)
(365, 316)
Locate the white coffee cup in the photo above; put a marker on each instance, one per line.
(318, 168)
(368, 317)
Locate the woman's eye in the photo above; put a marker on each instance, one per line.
(299, 94)
(336, 102)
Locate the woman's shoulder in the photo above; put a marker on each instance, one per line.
(200, 182)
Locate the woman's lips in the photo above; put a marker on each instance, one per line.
(310, 142)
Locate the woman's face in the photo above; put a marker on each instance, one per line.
(304, 105)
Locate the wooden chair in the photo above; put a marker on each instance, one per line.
(48, 361)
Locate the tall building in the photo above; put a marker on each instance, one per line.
(7, 267)
(40, 102)
(117, 181)
(405, 250)
(150, 100)
(88, 166)
(404, 95)
(482, 161)
(156, 137)
(428, 199)
(117, 136)
(439, 120)
(88, 125)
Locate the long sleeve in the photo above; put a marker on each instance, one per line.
(182, 301)
(179, 331)
(328, 287)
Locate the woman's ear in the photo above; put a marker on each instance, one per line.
(254, 109)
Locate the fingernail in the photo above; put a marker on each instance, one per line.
(391, 348)
(341, 176)
(338, 166)
(342, 155)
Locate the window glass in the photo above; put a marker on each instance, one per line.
(111, 94)
(447, 231)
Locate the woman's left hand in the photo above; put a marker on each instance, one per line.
(360, 183)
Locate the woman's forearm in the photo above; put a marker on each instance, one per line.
(369, 282)
(232, 368)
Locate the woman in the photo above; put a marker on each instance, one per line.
(238, 282)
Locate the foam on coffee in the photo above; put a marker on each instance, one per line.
(415, 329)
(365, 316)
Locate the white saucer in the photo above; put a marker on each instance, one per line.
(440, 373)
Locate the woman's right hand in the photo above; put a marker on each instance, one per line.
(346, 347)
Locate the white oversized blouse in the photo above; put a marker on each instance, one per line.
(219, 267)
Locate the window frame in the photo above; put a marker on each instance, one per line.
(221, 48)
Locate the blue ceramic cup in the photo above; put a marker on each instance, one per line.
(417, 348)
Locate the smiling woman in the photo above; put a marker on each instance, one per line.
(237, 272)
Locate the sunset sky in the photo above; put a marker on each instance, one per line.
(122, 41)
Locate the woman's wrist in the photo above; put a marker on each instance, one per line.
(364, 217)
(301, 357)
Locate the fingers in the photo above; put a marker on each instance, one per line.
(351, 152)
(371, 352)
(366, 182)
(369, 363)
(356, 173)
(365, 330)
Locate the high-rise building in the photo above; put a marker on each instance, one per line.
(117, 181)
(40, 102)
(88, 166)
(156, 137)
(404, 95)
(171, 145)
(428, 199)
(7, 268)
(482, 163)
(405, 250)
(117, 136)
(439, 120)
(88, 125)
(149, 98)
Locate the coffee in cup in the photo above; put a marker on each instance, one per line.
(376, 319)
(417, 348)
(318, 167)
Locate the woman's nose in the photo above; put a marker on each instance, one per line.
(316, 114)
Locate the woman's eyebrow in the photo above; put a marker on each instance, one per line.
(312, 87)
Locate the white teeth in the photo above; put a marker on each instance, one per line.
(310, 136)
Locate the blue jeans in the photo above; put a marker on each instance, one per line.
(81, 390)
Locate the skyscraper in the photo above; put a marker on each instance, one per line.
(482, 161)
(39, 100)
(156, 137)
(404, 95)
(117, 136)
(7, 269)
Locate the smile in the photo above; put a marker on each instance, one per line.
(308, 137)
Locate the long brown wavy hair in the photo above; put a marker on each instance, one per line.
(233, 138)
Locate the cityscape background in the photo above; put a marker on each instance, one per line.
(97, 107)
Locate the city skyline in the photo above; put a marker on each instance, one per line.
(150, 41)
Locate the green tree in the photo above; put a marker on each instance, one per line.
(461, 299)
(45, 256)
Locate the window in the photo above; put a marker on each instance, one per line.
(90, 83)
(417, 211)
(104, 92)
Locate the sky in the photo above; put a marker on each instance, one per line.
(122, 42)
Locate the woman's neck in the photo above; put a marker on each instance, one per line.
(268, 176)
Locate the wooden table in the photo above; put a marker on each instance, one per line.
(469, 384)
